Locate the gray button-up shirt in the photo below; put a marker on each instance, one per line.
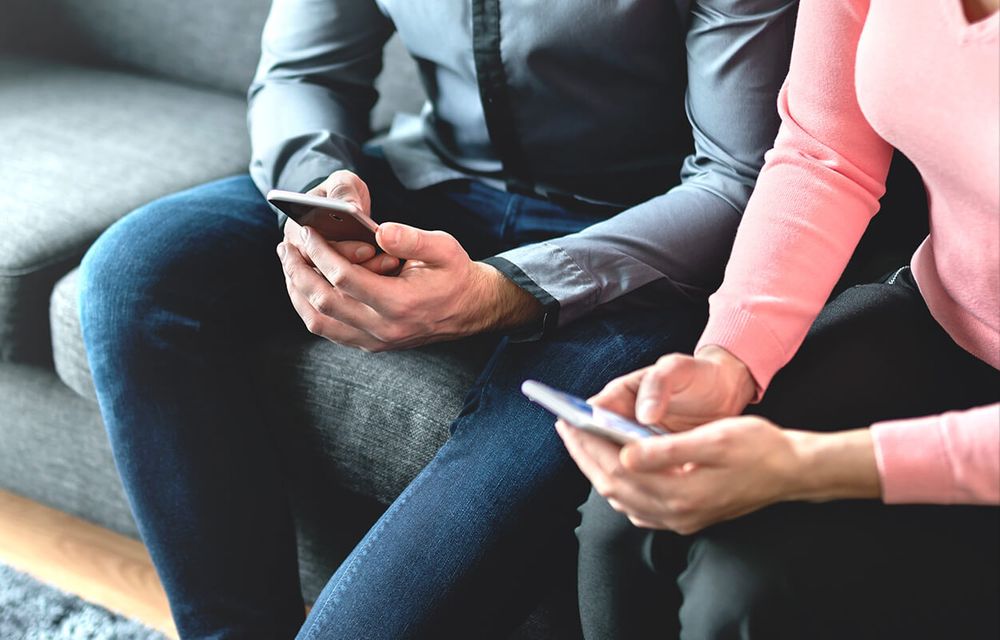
(664, 107)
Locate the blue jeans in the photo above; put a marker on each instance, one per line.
(173, 298)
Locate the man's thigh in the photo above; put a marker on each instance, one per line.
(505, 427)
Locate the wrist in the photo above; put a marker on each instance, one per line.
(735, 375)
(505, 305)
(833, 466)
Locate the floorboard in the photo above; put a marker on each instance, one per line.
(94, 563)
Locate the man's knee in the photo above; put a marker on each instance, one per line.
(109, 276)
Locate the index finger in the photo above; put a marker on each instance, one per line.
(356, 281)
(619, 394)
(595, 456)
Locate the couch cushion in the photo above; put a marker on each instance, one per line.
(82, 147)
(363, 422)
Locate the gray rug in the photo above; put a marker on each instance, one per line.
(30, 610)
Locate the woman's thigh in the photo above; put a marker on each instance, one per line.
(876, 353)
(849, 569)
(852, 568)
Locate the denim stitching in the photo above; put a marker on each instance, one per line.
(508, 218)
(352, 569)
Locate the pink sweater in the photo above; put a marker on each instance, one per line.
(867, 75)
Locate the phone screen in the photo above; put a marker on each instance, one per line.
(580, 414)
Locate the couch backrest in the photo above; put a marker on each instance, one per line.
(207, 42)
(211, 42)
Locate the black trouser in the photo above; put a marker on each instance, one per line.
(847, 569)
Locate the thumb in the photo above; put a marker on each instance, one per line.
(675, 450)
(410, 243)
(669, 375)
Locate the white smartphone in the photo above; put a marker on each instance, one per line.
(333, 219)
(577, 413)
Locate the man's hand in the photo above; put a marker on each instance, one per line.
(439, 294)
(687, 481)
(680, 392)
(346, 186)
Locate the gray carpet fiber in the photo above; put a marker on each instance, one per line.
(30, 610)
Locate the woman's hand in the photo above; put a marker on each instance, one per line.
(687, 481)
(680, 392)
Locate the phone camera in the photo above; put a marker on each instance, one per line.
(336, 217)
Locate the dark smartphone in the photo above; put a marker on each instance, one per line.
(333, 219)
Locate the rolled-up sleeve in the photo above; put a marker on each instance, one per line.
(678, 242)
(310, 100)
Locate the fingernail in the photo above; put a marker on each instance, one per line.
(645, 410)
(304, 234)
(388, 263)
(363, 253)
(282, 250)
(390, 233)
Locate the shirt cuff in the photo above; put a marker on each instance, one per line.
(550, 306)
(547, 267)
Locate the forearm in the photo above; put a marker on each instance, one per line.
(833, 466)
(506, 307)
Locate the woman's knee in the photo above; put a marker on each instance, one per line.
(607, 536)
(729, 594)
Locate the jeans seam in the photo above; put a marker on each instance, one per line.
(508, 217)
(362, 552)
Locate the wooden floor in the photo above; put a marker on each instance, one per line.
(96, 564)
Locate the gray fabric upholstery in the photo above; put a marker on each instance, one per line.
(68, 353)
(372, 420)
(53, 448)
(185, 40)
(82, 147)
(85, 146)
(213, 43)
(353, 429)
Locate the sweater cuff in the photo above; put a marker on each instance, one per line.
(739, 332)
(912, 463)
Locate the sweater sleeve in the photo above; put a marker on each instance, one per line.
(953, 458)
(818, 190)
(816, 194)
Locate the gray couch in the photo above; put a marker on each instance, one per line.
(106, 105)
